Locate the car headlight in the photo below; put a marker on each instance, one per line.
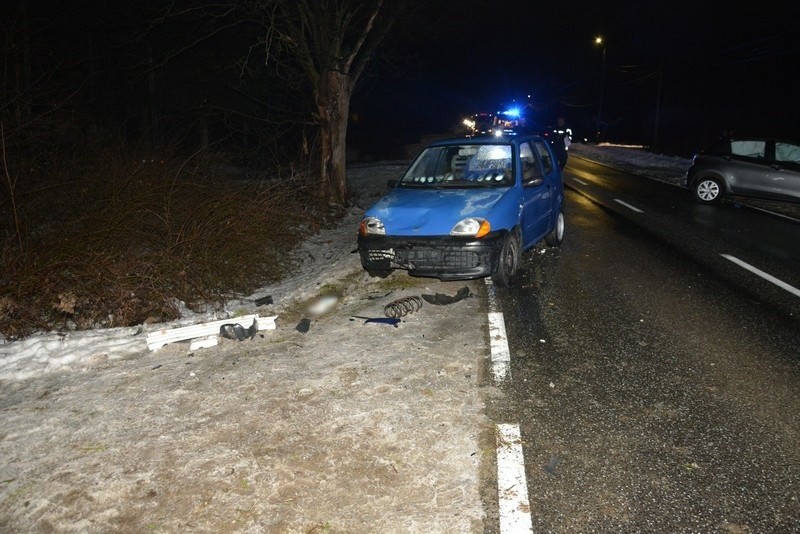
(371, 226)
(471, 227)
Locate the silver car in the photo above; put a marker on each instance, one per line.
(755, 167)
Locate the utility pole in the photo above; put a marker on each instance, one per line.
(599, 41)
(658, 103)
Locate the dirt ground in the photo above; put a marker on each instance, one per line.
(348, 427)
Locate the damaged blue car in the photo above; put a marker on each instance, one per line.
(467, 208)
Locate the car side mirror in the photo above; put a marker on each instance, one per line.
(534, 182)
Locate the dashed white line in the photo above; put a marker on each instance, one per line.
(512, 486)
(768, 277)
(579, 181)
(498, 341)
(501, 356)
(633, 208)
(515, 513)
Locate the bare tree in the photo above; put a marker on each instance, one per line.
(306, 56)
(332, 42)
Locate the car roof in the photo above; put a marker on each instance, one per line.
(484, 140)
(766, 138)
(723, 144)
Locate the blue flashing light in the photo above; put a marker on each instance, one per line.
(513, 112)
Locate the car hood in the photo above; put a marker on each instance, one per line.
(429, 212)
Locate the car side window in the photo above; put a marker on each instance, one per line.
(749, 148)
(530, 165)
(787, 152)
(545, 156)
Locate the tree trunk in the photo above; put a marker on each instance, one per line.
(333, 104)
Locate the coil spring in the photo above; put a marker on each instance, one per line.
(402, 307)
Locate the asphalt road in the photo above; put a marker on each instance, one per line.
(714, 236)
(656, 383)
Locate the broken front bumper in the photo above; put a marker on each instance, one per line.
(445, 257)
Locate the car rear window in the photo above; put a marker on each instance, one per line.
(787, 152)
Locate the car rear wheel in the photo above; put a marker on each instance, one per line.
(556, 236)
(508, 262)
(708, 190)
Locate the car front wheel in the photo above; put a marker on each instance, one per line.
(708, 190)
(508, 262)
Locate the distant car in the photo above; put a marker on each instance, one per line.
(755, 167)
(467, 208)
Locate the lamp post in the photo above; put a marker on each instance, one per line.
(599, 42)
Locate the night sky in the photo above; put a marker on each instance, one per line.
(700, 68)
(694, 68)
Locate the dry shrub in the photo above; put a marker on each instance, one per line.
(113, 240)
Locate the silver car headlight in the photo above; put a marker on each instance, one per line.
(471, 227)
(371, 226)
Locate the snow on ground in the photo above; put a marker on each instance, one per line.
(671, 169)
(323, 259)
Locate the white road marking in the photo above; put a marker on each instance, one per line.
(768, 277)
(634, 208)
(501, 356)
(579, 181)
(498, 341)
(512, 486)
(515, 513)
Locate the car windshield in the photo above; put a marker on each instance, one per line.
(467, 165)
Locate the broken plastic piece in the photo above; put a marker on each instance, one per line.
(203, 342)
(237, 331)
(159, 338)
(263, 301)
(303, 326)
(440, 299)
(379, 320)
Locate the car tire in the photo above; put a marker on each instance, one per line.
(556, 235)
(708, 190)
(508, 261)
(378, 273)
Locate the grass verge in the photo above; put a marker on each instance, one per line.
(107, 239)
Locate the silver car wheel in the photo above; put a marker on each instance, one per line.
(708, 190)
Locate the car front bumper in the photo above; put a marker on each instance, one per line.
(443, 257)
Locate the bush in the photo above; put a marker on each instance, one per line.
(107, 238)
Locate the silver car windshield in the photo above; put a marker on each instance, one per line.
(462, 166)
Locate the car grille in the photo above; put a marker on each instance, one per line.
(448, 258)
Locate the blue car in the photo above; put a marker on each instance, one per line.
(467, 208)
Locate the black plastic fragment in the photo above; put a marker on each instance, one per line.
(263, 301)
(303, 326)
(393, 321)
(238, 332)
(441, 299)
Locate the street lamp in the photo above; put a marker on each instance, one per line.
(599, 42)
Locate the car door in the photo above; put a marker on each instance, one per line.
(538, 165)
(786, 171)
(749, 167)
